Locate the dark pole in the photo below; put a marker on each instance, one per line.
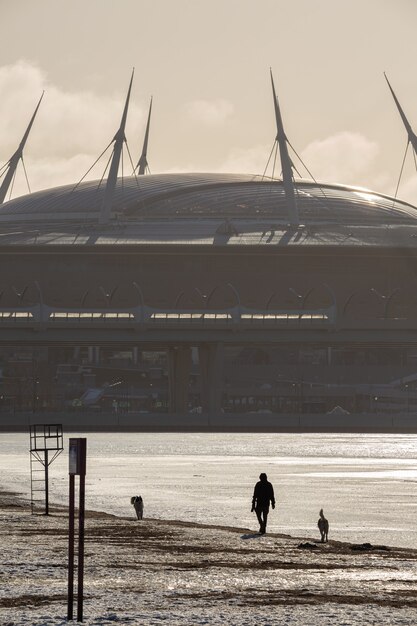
(71, 546)
(81, 549)
(77, 467)
(46, 483)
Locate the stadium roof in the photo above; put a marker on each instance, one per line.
(212, 209)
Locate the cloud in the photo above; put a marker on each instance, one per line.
(71, 129)
(248, 161)
(42, 176)
(408, 190)
(346, 157)
(352, 158)
(209, 112)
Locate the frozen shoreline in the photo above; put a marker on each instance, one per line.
(73, 421)
(185, 573)
(367, 485)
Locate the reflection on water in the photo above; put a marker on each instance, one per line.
(367, 484)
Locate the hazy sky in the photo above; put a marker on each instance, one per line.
(206, 63)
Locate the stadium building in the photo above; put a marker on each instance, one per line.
(235, 301)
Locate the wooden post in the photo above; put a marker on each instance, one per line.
(46, 482)
(77, 466)
(71, 511)
(81, 518)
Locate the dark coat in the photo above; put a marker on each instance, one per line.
(263, 495)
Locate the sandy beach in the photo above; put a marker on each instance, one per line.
(174, 572)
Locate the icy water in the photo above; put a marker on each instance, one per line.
(367, 484)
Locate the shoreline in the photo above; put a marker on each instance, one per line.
(188, 573)
(88, 421)
(181, 477)
(16, 500)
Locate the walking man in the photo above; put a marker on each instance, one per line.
(263, 495)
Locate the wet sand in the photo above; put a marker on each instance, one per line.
(155, 571)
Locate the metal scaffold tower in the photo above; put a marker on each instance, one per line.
(46, 443)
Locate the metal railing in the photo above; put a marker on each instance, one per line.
(41, 316)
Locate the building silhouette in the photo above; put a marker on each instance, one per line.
(212, 294)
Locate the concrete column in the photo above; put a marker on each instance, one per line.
(135, 355)
(94, 355)
(179, 367)
(211, 359)
(329, 355)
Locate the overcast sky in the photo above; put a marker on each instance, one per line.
(206, 63)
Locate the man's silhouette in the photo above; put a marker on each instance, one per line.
(263, 495)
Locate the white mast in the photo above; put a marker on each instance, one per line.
(412, 137)
(143, 165)
(118, 140)
(15, 158)
(286, 163)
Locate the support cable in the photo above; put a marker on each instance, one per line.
(26, 176)
(309, 173)
(89, 170)
(269, 158)
(274, 147)
(303, 164)
(275, 159)
(105, 170)
(121, 157)
(273, 167)
(3, 168)
(133, 167)
(401, 173)
(12, 185)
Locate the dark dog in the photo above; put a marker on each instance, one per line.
(323, 525)
(137, 502)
